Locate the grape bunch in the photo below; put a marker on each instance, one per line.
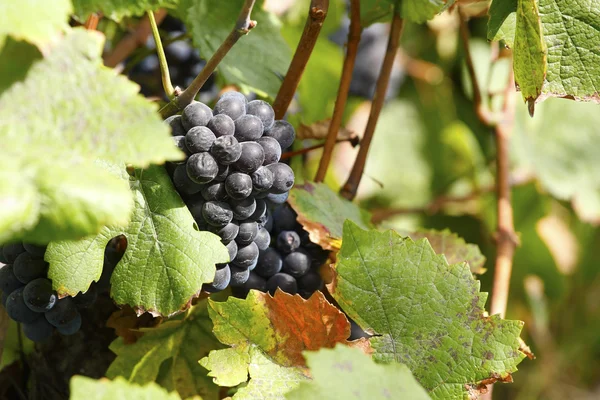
(232, 176)
(29, 299)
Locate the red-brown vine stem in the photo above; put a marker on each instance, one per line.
(354, 35)
(92, 22)
(316, 15)
(242, 26)
(133, 40)
(351, 186)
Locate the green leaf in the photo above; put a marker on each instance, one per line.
(81, 111)
(169, 353)
(84, 388)
(572, 34)
(452, 246)
(372, 11)
(419, 11)
(258, 61)
(441, 333)
(167, 259)
(322, 213)
(346, 373)
(117, 9)
(17, 57)
(503, 21)
(33, 20)
(529, 61)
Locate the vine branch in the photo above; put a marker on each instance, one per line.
(92, 22)
(243, 25)
(164, 66)
(354, 35)
(316, 16)
(351, 186)
(133, 40)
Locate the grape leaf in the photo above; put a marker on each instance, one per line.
(33, 20)
(17, 57)
(258, 61)
(426, 313)
(169, 354)
(502, 24)
(167, 259)
(117, 9)
(419, 11)
(529, 62)
(84, 388)
(346, 373)
(452, 246)
(272, 331)
(322, 213)
(82, 112)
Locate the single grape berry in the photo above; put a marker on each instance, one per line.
(283, 132)
(226, 150)
(251, 158)
(35, 250)
(248, 127)
(232, 249)
(199, 139)
(217, 213)
(243, 209)
(311, 281)
(262, 179)
(8, 280)
(247, 233)
(271, 148)
(239, 276)
(214, 191)
(263, 239)
(262, 110)
(39, 296)
(202, 168)
(238, 185)
(227, 233)
(177, 129)
(232, 104)
(195, 114)
(260, 211)
(297, 263)
(12, 251)
(246, 256)
(71, 327)
(220, 281)
(180, 143)
(285, 219)
(63, 313)
(283, 281)
(38, 330)
(182, 181)
(288, 241)
(17, 309)
(283, 178)
(255, 282)
(27, 268)
(221, 125)
(269, 263)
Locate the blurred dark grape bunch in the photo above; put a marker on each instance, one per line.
(235, 186)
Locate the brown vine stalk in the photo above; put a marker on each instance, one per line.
(316, 16)
(243, 25)
(354, 35)
(92, 22)
(133, 40)
(351, 186)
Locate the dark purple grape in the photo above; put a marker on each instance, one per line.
(195, 114)
(39, 296)
(232, 249)
(259, 212)
(220, 281)
(35, 250)
(195, 204)
(283, 178)
(271, 148)
(183, 183)
(284, 219)
(285, 282)
(255, 282)
(269, 263)
(239, 276)
(38, 330)
(87, 299)
(17, 309)
(226, 150)
(27, 268)
(227, 233)
(238, 185)
(8, 281)
(174, 122)
(217, 213)
(288, 241)
(63, 313)
(251, 158)
(247, 233)
(283, 132)
(247, 128)
(296, 263)
(311, 281)
(214, 191)
(262, 179)
(246, 256)
(263, 239)
(12, 251)
(243, 209)
(222, 125)
(232, 104)
(180, 143)
(277, 198)
(262, 110)
(202, 168)
(199, 139)
(71, 327)
(222, 174)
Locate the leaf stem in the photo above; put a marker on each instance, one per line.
(133, 40)
(351, 186)
(316, 16)
(92, 22)
(354, 35)
(243, 25)
(164, 66)
(353, 141)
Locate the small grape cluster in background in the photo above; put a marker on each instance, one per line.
(232, 182)
(29, 299)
